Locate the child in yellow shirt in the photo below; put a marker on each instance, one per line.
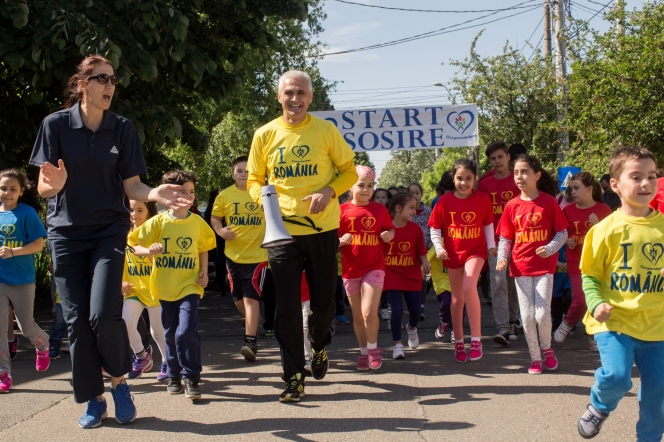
(178, 241)
(621, 266)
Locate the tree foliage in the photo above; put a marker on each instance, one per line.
(405, 167)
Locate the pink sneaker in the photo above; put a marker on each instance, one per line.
(363, 362)
(375, 358)
(535, 367)
(550, 360)
(43, 360)
(460, 352)
(475, 351)
(5, 382)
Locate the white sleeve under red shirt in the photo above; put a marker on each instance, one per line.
(579, 225)
(402, 259)
(500, 191)
(461, 222)
(365, 224)
(530, 225)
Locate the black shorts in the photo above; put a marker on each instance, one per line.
(246, 280)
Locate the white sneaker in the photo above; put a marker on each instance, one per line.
(307, 365)
(592, 344)
(452, 337)
(561, 332)
(413, 339)
(398, 353)
(384, 314)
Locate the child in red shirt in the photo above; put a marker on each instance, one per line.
(586, 211)
(534, 228)
(364, 226)
(464, 220)
(405, 262)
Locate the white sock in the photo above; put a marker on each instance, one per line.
(364, 351)
(458, 341)
(371, 346)
(472, 338)
(565, 327)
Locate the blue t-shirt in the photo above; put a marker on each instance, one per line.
(561, 280)
(18, 228)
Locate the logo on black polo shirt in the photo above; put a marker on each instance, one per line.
(114, 150)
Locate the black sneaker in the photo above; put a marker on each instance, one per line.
(174, 386)
(249, 349)
(319, 364)
(295, 389)
(502, 338)
(191, 389)
(513, 332)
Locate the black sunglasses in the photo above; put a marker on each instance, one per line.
(103, 79)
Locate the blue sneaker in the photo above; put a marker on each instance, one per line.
(125, 411)
(94, 413)
(341, 320)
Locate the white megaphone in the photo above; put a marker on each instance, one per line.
(275, 230)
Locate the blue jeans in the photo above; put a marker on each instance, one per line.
(613, 379)
(396, 301)
(58, 328)
(183, 342)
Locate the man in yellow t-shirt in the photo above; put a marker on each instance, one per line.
(246, 261)
(301, 155)
(621, 267)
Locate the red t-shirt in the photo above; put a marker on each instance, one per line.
(489, 174)
(402, 259)
(530, 225)
(461, 222)
(578, 228)
(365, 224)
(658, 202)
(500, 191)
(304, 289)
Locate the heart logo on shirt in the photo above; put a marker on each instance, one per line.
(252, 206)
(653, 252)
(507, 195)
(404, 246)
(468, 217)
(7, 229)
(184, 243)
(588, 225)
(534, 218)
(368, 222)
(300, 151)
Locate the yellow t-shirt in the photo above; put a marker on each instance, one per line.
(625, 254)
(246, 218)
(439, 276)
(138, 271)
(300, 160)
(176, 269)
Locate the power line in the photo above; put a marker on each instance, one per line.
(603, 8)
(430, 10)
(374, 91)
(391, 94)
(440, 31)
(531, 35)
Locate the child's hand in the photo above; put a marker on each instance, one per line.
(501, 264)
(443, 255)
(493, 251)
(426, 268)
(571, 243)
(126, 288)
(156, 249)
(227, 233)
(602, 312)
(593, 219)
(562, 266)
(345, 240)
(387, 235)
(5, 252)
(202, 279)
(541, 251)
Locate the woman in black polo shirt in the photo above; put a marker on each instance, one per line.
(88, 222)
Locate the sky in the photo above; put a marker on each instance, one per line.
(404, 74)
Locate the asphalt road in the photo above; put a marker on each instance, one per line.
(427, 396)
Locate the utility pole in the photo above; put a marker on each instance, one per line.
(561, 75)
(547, 31)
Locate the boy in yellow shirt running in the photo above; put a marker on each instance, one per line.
(246, 261)
(179, 241)
(621, 266)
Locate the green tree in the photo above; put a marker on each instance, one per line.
(616, 89)
(405, 167)
(431, 177)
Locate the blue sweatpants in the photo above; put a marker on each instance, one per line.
(183, 342)
(396, 301)
(613, 379)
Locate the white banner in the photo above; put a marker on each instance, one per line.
(395, 128)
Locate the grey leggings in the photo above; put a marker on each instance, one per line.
(22, 298)
(535, 303)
